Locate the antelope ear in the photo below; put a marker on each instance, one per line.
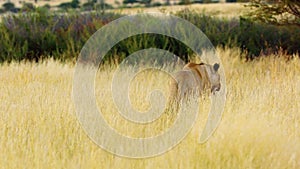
(216, 66)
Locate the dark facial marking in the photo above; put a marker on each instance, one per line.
(216, 66)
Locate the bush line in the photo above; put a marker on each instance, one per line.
(37, 35)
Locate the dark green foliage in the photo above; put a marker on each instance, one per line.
(219, 31)
(67, 5)
(259, 38)
(155, 4)
(93, 4)
(75, 3)
(211, 1)
(185, 2)
(28, 7)
(252, 37)
(130, 1)
(8, 6)
(103, 6)
(279, 12)
(147, 3)
(197, 1)
(88, 6)
(39, 34)
(145, 41)
(47, 6)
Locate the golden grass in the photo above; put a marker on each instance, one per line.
(259, 129)
(216, 9)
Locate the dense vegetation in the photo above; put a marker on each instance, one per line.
(39, 34)
(278, 12)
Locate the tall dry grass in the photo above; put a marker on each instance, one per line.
(226, 10)
(259, 129)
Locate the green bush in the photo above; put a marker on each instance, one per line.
(88, 6)
(8, 6)
(2, 11)
(130, 1)
(231, 0)
(68, 5)
(47, 6)
(39, 34)
(103, 6)
(185, 2)
(253, 38)
(156, 4)
(28, 7)
(260, 38)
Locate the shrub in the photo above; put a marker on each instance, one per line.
(28, 7)
(35, 35)
(130, 1)
(184, 2)
(156, 4)
(67, 5)
(8, 6)
(103, 6)
(231, 0)
(252, 37)
(88, 6)
(259, 38)
(47, 6)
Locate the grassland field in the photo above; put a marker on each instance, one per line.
(259, 128)
(217, 9)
